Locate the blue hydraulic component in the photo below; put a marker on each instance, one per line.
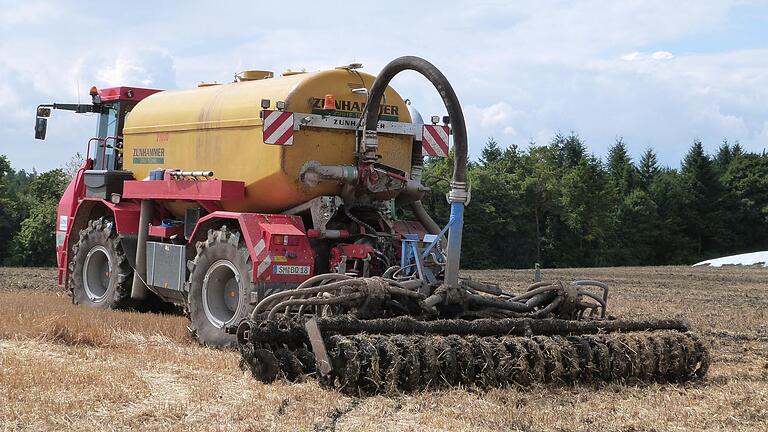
(414, 250)
(170, 223)
(412, 257)
(456, 224)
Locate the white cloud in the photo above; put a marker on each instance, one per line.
(145, 67)
(25, 13)
(637, 56)
(662, 55)
(495, 114)
(522, 70)
(633, 56)
(761, 138)
(493, 120)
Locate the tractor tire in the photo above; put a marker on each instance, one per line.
(99, 273)
(219, 287)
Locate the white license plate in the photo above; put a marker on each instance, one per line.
(290, 270)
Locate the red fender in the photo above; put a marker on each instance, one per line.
(74, 212)
(273, 261)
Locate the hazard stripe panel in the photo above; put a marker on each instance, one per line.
(434, 140)
(263, 256)
(278, 128)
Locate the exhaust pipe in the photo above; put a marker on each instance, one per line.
(139, 289)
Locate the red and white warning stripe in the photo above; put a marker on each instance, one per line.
(278, 127)
(263, 256)
(434, 140)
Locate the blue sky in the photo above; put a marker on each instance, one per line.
(656, 73)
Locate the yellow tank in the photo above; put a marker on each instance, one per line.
(218, 128)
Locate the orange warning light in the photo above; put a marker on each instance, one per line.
(330, 102)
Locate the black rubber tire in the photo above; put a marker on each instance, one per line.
(227, 247)
(100, 238)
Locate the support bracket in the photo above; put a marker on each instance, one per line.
(318, 347)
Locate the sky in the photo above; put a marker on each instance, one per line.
(654, 73)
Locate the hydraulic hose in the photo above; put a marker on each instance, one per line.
(458, 195)
(422, 216)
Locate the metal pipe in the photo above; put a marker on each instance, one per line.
(139, 288)
(600, 300)
(312, 173)
(595, 283)
(191, 173)
(422, 216)
(413, 190)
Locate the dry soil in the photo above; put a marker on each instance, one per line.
(67, 367)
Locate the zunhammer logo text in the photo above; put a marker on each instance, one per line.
(149, 152)
(148, 155)
(389, 112)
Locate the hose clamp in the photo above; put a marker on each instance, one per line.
(371, 140)
(459, 193)
(370, 146)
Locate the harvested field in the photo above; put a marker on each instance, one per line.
(67, 367)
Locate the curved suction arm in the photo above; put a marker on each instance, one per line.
(451, 101)
(458, 195)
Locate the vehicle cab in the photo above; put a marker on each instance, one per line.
(103, 153)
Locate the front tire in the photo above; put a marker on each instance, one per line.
(99, 273)
(219, 287)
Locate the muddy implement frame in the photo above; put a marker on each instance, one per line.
(315, 331)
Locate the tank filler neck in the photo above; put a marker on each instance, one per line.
(253, 75)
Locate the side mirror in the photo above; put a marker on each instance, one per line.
(41, 126)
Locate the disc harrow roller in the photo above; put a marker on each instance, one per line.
(366, 364)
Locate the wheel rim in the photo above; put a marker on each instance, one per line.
(221, 293)
(97, 271)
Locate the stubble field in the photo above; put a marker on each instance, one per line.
(67, 367)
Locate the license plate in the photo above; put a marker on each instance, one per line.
(290, 270)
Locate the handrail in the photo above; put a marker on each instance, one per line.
(103, 146)
(104, 153)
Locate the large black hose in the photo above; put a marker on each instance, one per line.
(451, 101)
(429, 71)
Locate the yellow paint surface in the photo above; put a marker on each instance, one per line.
(218, 128)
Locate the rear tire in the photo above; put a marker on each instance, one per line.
(219, 287)
(99, 273)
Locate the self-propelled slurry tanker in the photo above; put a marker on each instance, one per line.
(268, 208)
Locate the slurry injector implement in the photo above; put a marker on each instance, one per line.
(272, 210)
(418, 325)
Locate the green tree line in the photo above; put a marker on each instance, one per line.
(562, 207)
(554, 204)
(28, 203)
